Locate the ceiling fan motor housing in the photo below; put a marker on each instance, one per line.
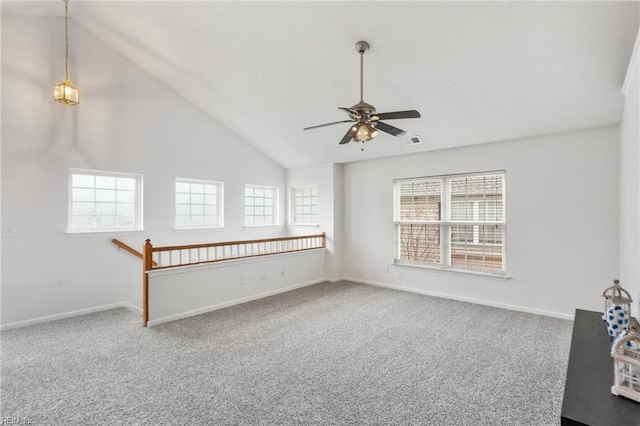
(364, 110)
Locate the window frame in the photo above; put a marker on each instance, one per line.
(293, 217)
(138, 201)
(275, 205)
(446, 223)
(219, 204)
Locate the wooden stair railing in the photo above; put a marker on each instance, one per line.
(130, 249)
(197, 254)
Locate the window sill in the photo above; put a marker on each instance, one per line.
(499, 277)
(199, 228)
(80, 234)
(262, 226)
(305, 225)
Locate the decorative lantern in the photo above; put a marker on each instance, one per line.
(626, 363)
(616, 295)
(65, 92)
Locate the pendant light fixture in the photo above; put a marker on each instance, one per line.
(65, 92)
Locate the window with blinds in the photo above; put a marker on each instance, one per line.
(451, 222)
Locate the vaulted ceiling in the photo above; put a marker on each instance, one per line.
(478, 72)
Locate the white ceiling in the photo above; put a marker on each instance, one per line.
(478, 72)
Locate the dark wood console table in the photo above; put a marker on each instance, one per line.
(587, 392)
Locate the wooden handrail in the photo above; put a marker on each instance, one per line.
(232, 243)
(129, 249)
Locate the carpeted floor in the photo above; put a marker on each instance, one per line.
(329, 354)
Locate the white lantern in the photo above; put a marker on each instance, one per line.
(626, 363)
(616, 295)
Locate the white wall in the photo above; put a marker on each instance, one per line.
(328, 177)
(630, 183)
(562, 221)
(127, 121)
(179, 293)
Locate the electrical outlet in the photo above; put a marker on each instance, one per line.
(282, 272)
(386, 269)
(263, 276)
(243, 281)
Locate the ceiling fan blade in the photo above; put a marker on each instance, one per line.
(389, 129)
(398, 114)
(346, 138)
(351, 112)
(327, 124)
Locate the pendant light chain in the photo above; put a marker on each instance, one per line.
(66, 39)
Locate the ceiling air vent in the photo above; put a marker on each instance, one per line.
(412, 140)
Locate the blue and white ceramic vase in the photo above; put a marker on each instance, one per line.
(617, 320)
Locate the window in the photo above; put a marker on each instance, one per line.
(304, 205)
(260, 205)
(104, 201)
(451, 222)
(198, 204)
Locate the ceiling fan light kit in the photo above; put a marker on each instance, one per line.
(363, 115)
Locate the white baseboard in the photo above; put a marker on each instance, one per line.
(135, 309)
(466, 299)
(138, 311)
(212, 308)
(39, 320)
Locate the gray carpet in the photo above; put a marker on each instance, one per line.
(329, 354)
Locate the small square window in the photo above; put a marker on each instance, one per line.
(104, 201)
(198, 204)
(304, 205)
(260, 205)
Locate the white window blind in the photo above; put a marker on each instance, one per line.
(452, 222)
(198, 204)
(304, 205)
(104, 201)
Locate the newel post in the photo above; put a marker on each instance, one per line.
(324, 240)
(147, 265)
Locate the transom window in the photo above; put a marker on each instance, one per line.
(198, 204)
(260, 205)
(304, 205)
(104, 201)
(451, 222)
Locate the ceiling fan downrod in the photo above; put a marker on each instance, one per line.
(361, 47)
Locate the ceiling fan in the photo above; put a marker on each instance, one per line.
(363, 115)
